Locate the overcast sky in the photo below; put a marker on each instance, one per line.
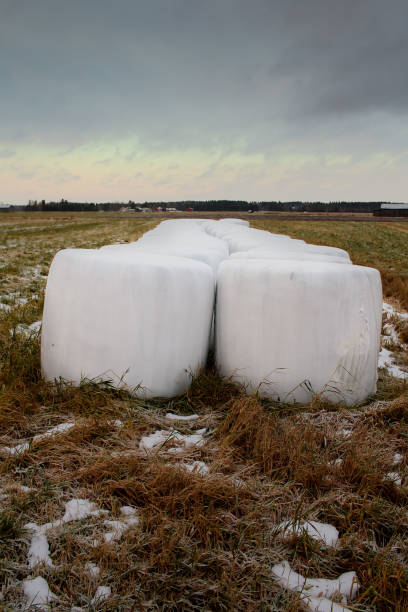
(105, 100)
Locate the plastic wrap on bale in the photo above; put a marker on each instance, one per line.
(235, 221)
(291, 329)
(300, 255)
(306, 248)
(141, 321)
(211, 257)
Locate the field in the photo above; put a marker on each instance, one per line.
(209, 507)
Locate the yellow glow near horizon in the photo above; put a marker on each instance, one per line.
(124, 169)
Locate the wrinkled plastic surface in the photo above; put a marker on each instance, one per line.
(140, 320)
(300, 255)
(293, 329)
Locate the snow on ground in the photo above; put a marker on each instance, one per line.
(391, 311)
(54, 431)
(187, 441)
(92, 570)
(322, 532)
(385, 360)
(394, 477)
(156, 440)
(119, 527)
(29, 330)
(397, 458)
(16, 450)
(75, 510)
(199, 467)
(24, 446)
(37, 593)
(177, 417)
(317, 593)
(102, 593)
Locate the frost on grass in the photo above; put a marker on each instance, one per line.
(38, 593)
(322, 532)
(317, 593)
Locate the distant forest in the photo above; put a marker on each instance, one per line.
(199, 205)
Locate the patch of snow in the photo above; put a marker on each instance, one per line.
(397, 458)
(322, 532)
(102, 593)
(187, 441)
(119, 527)
(54, 431)
(317, 592)
(394, 477)
(154, 440)
(385, 361)
(336, 463)
(390, 310)
(93, 570)
(160, 437)
(75, 510)
(39, 550)
(29, 330)
(24, 446)
(128, 511)
(391, 333)
(177, 417)
(199, 467)
(116, 423)
(16, 450)
(38, 593)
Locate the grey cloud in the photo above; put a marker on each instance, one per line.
(212, 74)
(7, 153)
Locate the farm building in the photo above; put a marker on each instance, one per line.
(392, 210)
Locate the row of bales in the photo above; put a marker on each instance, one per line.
(286, 319)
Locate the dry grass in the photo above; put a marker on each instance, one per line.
(204, 542)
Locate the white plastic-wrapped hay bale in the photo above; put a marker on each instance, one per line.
(293, 329)
(211, 257)
(145, 318)
(301, 255)
(187, 236)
